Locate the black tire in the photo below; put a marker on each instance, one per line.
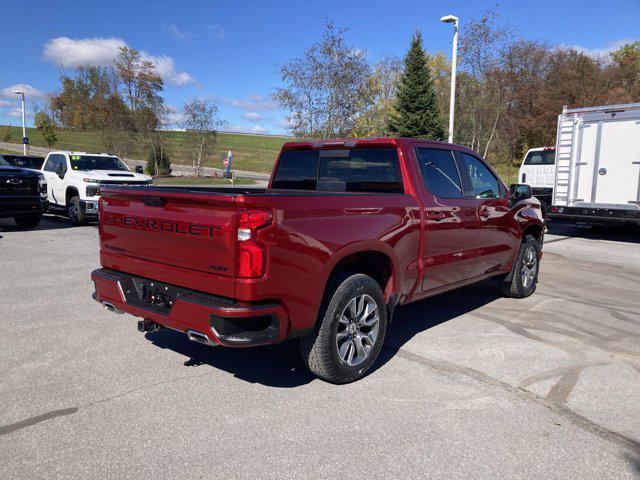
(320, 349)
(523, 278)
(76, 215)
(31, 221)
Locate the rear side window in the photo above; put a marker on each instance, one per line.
(355, 170)
(544, 157)
(440, 172)
(483, 182)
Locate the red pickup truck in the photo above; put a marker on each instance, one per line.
(345, 231)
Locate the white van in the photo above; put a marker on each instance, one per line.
(598, 165)
(538, 170)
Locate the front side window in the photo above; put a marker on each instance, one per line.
(52, 163)
(440, 172)
(349, 170)
(483, 182)
(97, 162)
(4, 163)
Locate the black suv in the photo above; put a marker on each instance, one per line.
(23, 194)
(23, 161)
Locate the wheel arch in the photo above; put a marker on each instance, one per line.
(70, 192)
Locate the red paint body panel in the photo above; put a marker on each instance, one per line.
(187, 238)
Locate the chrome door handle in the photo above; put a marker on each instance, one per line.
(435, 215)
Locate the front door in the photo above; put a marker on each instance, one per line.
(497, 229)
(52, 178)
(449, 247)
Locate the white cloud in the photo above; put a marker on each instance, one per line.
(17, 113)
(6, 103)
(216, 31)
(70, 53)
(174, 116)
(175, 32)
(30, 93)
(253, 116)
(602, 51)
(247, 128)
(166, 68)
(251, 102)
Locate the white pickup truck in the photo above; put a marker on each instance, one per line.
(538, 170)
(74, 180)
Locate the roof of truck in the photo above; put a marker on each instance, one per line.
(373, 141)
(70, 152)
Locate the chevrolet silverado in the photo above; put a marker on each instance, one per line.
(345, 231)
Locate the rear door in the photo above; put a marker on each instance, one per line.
(157, 230)
(450, 235)
(618, 169)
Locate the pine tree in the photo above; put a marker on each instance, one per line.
(416, 112)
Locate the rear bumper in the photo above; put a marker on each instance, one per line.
(595, 215)
(222, 320)
(21, 205)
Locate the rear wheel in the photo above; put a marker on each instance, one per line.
(351, 327)
(76, 216)
(523, 278)
(28, 222)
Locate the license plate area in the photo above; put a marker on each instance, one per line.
(149, 294)
(159, 297)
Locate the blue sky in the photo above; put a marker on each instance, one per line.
(230, 50)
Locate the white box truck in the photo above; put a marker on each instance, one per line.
(597, 179)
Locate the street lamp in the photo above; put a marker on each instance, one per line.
(24, 123)
(454, 58)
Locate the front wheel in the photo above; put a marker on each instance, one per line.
(351, 327)
(28, 222)
(76, 216)
(523, 278)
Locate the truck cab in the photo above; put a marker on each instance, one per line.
(74, 180)
(538, 170)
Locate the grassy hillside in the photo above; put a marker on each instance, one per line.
(250, 152)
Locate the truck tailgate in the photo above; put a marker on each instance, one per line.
(170, 232)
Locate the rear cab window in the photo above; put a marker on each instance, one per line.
(374, 170)
(541, 157)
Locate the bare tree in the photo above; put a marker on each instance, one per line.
(324, 88)
(200, 120)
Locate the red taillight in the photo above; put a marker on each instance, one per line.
(251, 260)
(251, 253)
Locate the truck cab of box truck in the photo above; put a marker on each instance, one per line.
(538, 170)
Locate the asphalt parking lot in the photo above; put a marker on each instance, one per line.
(470, 385)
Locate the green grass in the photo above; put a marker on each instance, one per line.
(200, 181)
(255, 153)
(508, 173)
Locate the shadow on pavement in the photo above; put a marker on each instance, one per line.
(414, 318)
(48, 222)
(281, 365)
(613, 233)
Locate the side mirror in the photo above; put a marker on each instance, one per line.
(139, 169)
(60, 170)
(520, 191)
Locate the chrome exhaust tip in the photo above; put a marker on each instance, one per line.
(109, 306)
(200, 338)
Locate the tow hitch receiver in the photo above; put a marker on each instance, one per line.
(148, 326)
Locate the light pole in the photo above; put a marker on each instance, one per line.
(24, 123)
(454, 58)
